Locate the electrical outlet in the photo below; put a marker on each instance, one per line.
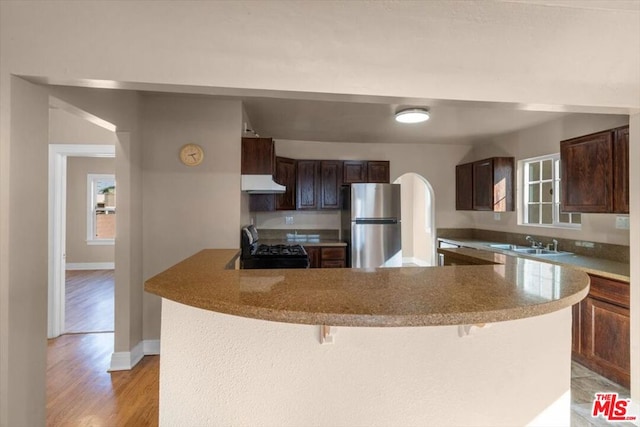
(622, 222)
(288, 220)
(585, 244)
(496, 216)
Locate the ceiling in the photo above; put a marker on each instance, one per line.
(334, 121)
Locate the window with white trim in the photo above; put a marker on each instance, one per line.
(541, 194)
(101, 209)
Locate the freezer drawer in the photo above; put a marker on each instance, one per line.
(376, 245)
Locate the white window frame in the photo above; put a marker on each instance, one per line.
(92, 178)
(555, 178)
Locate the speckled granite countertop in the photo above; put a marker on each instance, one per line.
(596, 266)
(414, 296)
(304, 242)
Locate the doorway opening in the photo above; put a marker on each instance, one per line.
(418, 221)
(81, 270)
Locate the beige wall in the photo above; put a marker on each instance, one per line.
(68, 128)
(187, 208)
(77, 249)
(493, 54)
(541, 140)
(26, 322)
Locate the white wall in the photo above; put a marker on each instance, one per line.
(219, 369)
(541, 140)
(530, 54)
(187, 208)
(77, 249)
(423, 244)
(417, 236)
(406, 199)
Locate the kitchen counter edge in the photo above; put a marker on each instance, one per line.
(596, 266)
(392, 297)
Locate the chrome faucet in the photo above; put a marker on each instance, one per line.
(534, 243)
(555, 245)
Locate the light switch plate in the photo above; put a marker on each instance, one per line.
(288, 220)
(622, 222)
(496, 216)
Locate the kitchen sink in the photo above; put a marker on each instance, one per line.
(525, 250)
(504, 246)
(538, 251)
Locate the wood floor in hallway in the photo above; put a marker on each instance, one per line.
(80, 391)
(89, 301)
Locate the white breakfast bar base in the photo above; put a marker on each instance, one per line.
(218, 369)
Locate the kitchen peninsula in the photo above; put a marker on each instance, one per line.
(411, 346)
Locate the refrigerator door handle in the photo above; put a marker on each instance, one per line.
(376, 221)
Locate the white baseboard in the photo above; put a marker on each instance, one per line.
(416, 261)
(90, 266)
(126, 360)
(151, 347)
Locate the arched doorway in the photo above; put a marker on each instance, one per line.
(418, 220)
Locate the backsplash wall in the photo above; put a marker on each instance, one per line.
(302, 220)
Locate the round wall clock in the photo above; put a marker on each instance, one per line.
(191, 154)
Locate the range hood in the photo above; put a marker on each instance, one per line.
(261, 184)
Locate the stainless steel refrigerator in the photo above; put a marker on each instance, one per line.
(370, 220)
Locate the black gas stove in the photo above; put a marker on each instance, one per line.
(257, 255)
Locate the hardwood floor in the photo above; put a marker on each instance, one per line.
(89, 299)
(80, 391)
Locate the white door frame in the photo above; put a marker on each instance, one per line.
(58, 154)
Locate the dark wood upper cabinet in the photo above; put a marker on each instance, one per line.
(595, 172)
(262, 202)
(621, 170)
(307, 184)
(258, 156)
(486, 185)
(310, 184)
(286, 175)
(378, 171)
(354, 171)
(330, 183)
(587, 173)
(483, 185)
(464, 187)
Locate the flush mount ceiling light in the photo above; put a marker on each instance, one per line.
(412, 115)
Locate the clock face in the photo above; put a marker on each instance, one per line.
(191, 154)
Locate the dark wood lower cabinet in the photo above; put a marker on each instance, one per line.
(314, 256)
(327, 256)
(601, 330)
